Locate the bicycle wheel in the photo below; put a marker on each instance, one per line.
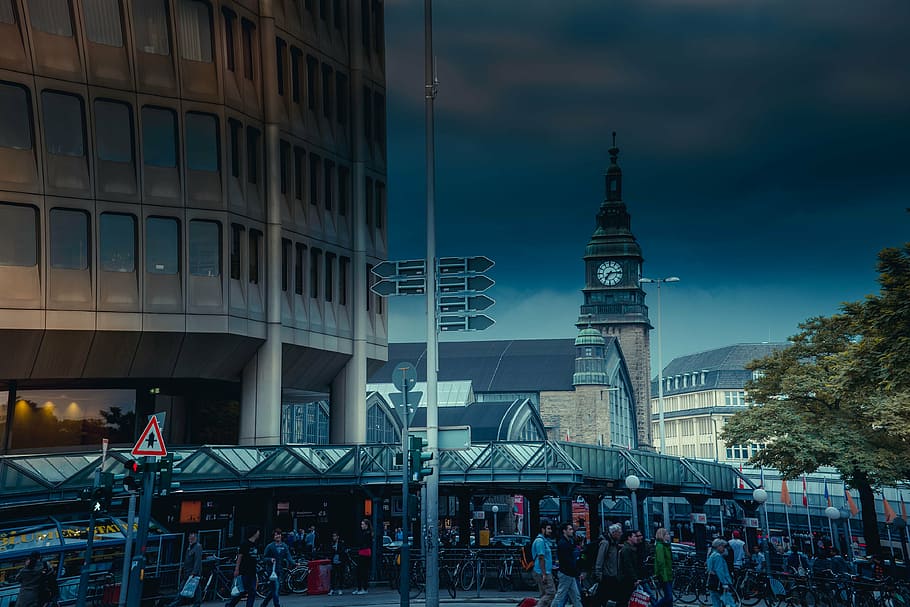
(297, 580)
(468, 575)
(504, 577)
(750, 591)
(222, 586)
(418, 580)
(263, 583)
(682, 589)
(450, 584)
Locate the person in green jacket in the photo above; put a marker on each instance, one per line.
(663, 566)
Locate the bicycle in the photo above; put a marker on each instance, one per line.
(219, 581)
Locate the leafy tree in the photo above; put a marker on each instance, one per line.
(837, 396)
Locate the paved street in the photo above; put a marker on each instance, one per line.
(384, 597)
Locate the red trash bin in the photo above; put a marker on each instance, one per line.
(320, 579)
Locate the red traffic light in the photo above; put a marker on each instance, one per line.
(132, 467)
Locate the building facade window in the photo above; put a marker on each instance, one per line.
(51, 16)
(284, 153)
(315, 262)
(315, 170)
(162, 245)
(367, 115)
(327, 91)
(230, 21)
(285, 264)
(248, 32)
(252, 155)
(344, 190)
(299, 171)
(380, 204)
(299, 260)
(194, 18)
(328, 188)
(341, 98)
(202, 145)
(18, 235)
(102, 22)
(114, 130)
(311, 67)
(255, 255)
(305, 423)
(69, 239)
(159, 137)
(236, 239)
(235, 129)
(151, 24)
(64, 123)
(15, 117)
(734, 398)
(281, 49)
(329, 287)
(343, 264)
(51, 418)
(205, 248)
(381, 429)
(117, 246)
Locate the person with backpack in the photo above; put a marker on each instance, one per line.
(568, 568)
(606, 565)
(33, 582)
(543, 565)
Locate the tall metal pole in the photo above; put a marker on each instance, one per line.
(432, 504)
(128, 550)
(403, 589)
(89, 541)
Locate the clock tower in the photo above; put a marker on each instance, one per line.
(614, 302)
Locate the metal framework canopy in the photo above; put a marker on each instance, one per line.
(502, 466)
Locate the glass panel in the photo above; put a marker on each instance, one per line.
(255, 250)
(69, 239)
(195, 29)
(114, 130)
(236, 235)
(6, 12)
(150, 19)
(64, 128)
(205, 248)
(252, 155)
(18, 235)
(51, 16)
(102, 21)
(15, 117)
(50, 418)
(162, 246)
(159, 137)
(202, 142)
(118, 242)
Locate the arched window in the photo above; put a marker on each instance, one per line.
(305, 423)
(380, 428)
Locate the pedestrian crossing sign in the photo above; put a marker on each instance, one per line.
(150, 442)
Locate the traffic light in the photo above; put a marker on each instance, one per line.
(419, 458)
(133, 480)
(166, 483)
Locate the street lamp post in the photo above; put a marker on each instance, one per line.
(833, 514)
(760, 496)
(495, 510)
(660, 380)
(632, 484)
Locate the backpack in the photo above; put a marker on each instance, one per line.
(527, 558)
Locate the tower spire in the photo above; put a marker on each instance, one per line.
(613, 178)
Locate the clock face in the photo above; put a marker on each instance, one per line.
(609, 273)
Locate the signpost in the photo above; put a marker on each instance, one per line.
(404, 377)
(406, 277)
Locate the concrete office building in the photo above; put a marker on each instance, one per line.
(192, 193)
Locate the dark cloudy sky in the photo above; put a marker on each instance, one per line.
(765, 149)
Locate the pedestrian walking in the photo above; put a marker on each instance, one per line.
(631, 567)
(364, 556)
(245, 569)
(738, 547)
(279, 555)
(568, 567)
(33, 582)
(338, 557)
(309, 542)
(543, 565)
(606, 566)
(192, 567)
(663, 566)
(719, 585)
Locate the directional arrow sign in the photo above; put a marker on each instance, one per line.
(407, 268)
(386, 269)
(461, 265)
(460, 322)
(480, 322)
(480, 302)
(462, 284)
(400, 286)
(453, 304)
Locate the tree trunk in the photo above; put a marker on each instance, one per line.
(867, 511)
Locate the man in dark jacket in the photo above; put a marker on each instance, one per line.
(568, 567)
(192, 565)
(631, 568)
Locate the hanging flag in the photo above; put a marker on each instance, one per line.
(785, 494)
(741, 485)
(903, 506)
(890, 514)
(850, 503)
(805, 493)
(827, 496)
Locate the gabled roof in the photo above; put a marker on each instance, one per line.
(521, 365)
(489, 421)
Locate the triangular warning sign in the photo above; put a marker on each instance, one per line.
(150, 441)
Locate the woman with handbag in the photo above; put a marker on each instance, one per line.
(364, 557)
(719, 581)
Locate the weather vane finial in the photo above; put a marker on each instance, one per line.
(613, 151)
